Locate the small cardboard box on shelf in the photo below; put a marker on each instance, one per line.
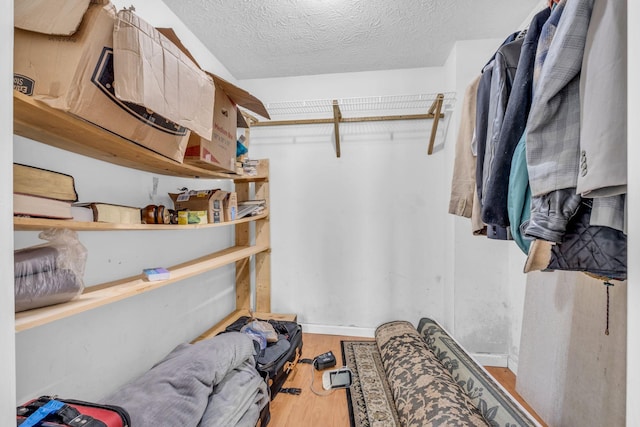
(211, 201)
(230, 205)
(219, 150)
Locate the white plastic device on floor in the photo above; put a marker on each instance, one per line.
(337, 378)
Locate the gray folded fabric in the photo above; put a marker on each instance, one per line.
(176, 391)
(34, 260)
(46, 288)
(238, 399)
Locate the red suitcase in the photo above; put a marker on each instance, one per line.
(53, 412)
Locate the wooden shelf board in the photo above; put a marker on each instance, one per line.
(235, 315)
(36, 120)
(96, 296)
(27, 224)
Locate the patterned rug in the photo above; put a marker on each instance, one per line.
(369, 397)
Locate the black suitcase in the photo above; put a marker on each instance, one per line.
(276, 362)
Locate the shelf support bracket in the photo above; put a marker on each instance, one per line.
(434, 111)
(337, 118)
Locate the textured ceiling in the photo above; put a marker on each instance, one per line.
(277, 38)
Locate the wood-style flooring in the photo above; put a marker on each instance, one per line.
(311, 410)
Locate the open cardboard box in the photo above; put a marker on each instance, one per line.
(218, 151)
(63, 56)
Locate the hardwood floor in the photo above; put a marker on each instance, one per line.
(508, 380)
(308, 409)
(311, 410)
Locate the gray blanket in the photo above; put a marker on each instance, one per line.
(210, 383)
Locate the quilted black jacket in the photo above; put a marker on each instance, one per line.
(601, 251)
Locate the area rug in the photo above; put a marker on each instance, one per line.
(369, 397)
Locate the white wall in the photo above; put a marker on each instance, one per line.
(481, 281)
(633, 296)
(354, 238)
(570, 371)
(7, 327)
(366, 238)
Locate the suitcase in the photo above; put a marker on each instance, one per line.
(53, 412)
(277, 361)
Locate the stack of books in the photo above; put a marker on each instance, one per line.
(251, 207)
(107, 212)
(42, 193)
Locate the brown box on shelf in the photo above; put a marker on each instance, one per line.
(219, 151)
(187, 91)
(211, 201)
(72, 70)
(230, 205)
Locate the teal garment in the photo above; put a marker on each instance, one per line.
(519, 196)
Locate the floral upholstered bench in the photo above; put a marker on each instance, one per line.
(434, 382)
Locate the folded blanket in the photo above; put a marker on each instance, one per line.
(238, 399)
(34, 260)
(178, 390)
(46, 288)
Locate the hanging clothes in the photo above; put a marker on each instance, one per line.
(494, 209)
(519, 196)
(485, 113)
(603, 102)
(463, 183)
(504, 70)
(553, 128)
(562, 216)
(601, 251)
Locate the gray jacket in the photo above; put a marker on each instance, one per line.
(553, 128)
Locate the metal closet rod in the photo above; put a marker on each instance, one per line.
(434, 112)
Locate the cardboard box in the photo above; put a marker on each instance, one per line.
(170, 84)
(230, 205)
(75, 74)
(210, 201)
(219, 151)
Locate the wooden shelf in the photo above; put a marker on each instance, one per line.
(36, 120)
(39, 122)
(33, 224)
(106, 293)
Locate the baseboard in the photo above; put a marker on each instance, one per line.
(512, 364)
(488, 359)
(484, 359)
(349, 331)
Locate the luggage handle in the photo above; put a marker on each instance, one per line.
(68, 414)
(292, 364)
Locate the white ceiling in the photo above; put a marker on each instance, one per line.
(278, 38)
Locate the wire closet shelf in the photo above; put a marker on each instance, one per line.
(361, 109)
(409, 103)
